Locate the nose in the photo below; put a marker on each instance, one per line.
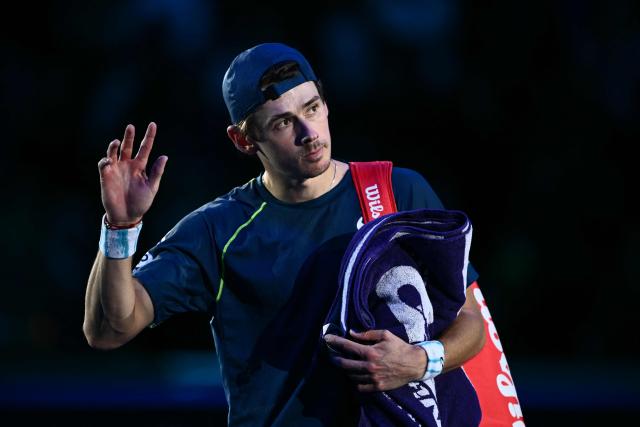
(306, 132)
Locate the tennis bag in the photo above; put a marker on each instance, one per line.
(488, 371)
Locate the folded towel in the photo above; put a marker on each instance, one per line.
(406, 272)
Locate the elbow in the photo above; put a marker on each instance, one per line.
(475, 336)
(98, 342)
(481, 341)
(480, 335)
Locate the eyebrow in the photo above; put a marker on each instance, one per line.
(289, 113)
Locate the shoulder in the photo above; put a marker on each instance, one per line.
(404, 176)
(240, 200)
(237, 204)
(412, 191)
(222, 216)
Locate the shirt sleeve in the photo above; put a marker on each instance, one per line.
(412, 191)
(180, 272)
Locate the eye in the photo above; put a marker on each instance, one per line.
(314, 108)
(282, 124)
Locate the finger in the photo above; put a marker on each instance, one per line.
(371, 335)
(344, 345)
(103, 163)
(156, 172)
(127, 142)
(353, 366)
(360, 378)
(367, 388)
(112, 150)
(147, 143)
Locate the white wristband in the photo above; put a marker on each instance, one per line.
(435, 358)
(118, 244)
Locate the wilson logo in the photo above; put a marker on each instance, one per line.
(503, 379)
(373, 195)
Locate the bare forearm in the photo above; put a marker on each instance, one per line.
(463, 339)
(110, 302)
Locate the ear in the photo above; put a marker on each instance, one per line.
(243, 143)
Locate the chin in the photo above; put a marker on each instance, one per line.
(319, 167)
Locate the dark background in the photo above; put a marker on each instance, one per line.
(522, 114)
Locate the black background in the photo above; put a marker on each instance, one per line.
(522, 114)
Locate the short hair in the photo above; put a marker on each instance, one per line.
(275, 74)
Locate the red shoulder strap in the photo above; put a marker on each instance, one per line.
(374, 188)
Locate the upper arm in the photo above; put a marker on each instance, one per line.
(471, 311)
(177, 275)
(470, 304)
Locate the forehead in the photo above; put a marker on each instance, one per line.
(289, 102)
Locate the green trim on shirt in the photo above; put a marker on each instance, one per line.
(226, 246)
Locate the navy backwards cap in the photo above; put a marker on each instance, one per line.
(241, 83)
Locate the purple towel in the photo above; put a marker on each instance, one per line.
(406, 272)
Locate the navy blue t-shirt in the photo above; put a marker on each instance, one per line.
(266, 272)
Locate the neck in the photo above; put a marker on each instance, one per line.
(295, 190)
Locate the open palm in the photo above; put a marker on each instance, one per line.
(127, 191)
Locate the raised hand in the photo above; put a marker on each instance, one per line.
(127, 191)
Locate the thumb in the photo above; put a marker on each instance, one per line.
(156, 172)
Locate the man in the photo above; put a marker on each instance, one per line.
(263, 259)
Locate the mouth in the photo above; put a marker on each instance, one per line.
(314, 152)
